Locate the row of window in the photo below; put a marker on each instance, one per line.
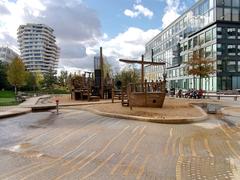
(228, 66)
(228, 49)
(229, 33)
(229, 3)
(228, 14)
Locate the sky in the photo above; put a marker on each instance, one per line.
(121, 27)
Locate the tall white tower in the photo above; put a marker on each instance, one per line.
(38, 47)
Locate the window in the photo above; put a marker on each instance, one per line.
(210, 16)
(201, 39)
(201, 52)
(231, 32)
(231, 50)
(227, 14)
(211, 3)
(219, 13)
(214, 50)
(190, 43)
(227, 2)
(195, 41)
(238, 66)
(230, 62)
(185, 46)
(208, 52)
(238, 33)
(235, 3)
(235, 14)
(208, 36)
(238, 50)
(214, 33)
(219, 49)
(220, 2)
(219, 32)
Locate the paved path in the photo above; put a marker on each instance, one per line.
(81, 145)
(23, 108)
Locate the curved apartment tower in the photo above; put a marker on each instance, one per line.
(38, 47)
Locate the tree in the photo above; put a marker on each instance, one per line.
(200, 66)
(16, 73)
(107, 70)
(128, 76)
(3, 76)
(50, 79)
(33, 80)
(63, 78)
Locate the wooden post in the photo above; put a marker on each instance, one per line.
(142, 74)
(129, 96)
(113, 91)
(102, 74)
(145, 91)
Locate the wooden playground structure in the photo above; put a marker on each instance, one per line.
(92, 86)
(144, 94)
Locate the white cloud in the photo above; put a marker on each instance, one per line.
(77, 28)
(172, 12)
(75, 25)
(138, 10)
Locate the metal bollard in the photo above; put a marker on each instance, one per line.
(235, 98)
(57, 106)
(218, 97)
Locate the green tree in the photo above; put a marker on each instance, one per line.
(63, 78)
(50, 79)
(16, 73)
(128, 76)
(107, 70)
(34, 81)
(200, 66)
(3, 76)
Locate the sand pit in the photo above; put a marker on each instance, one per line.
(173, 108)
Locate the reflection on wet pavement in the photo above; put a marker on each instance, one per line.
(81, 145)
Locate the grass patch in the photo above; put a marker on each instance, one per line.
(7, 98)
(8, 102)
(7, 94)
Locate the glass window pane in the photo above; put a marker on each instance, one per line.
(195, 41)
(211, 3)
(201, 39)
(227, 14)
(208, 36)
(219, 2)
(231, 50)
(219, 13)
(211, 19)
(227, 2)
(235, 3)
(214, 33)
(235, 14)
(231, 32)
(208, 52)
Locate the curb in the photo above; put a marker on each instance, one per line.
(12, 114)
(184, 120)
(224, 111)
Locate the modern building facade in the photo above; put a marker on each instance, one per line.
(210, 28)
(7, 54)
(38, 47)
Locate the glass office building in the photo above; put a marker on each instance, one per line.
(210, 28)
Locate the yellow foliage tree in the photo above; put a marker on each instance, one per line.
(200, 66)
(16, 73)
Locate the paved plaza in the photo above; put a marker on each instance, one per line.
(80, 145)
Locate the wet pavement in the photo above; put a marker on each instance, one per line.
(80, 145)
